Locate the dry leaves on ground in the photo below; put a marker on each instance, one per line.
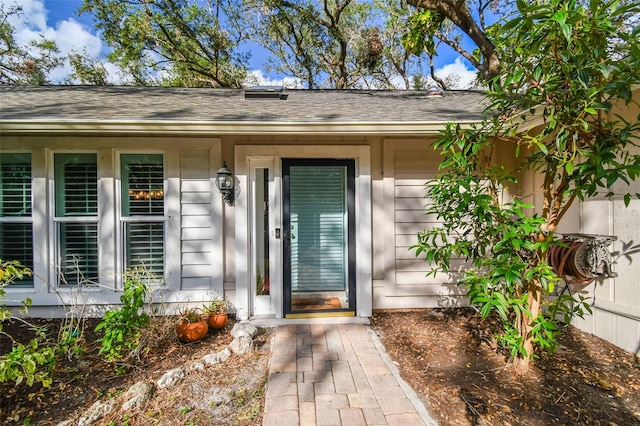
(449, 357)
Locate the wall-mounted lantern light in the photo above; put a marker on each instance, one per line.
(226, 184)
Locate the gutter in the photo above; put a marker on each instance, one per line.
(49, 127)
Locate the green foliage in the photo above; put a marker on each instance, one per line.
(191, 315)
(568, 65)
(87, 70)
(25, 363)
(123, 326)
(28, 363)
(24, 64)
(422, 26)
(218, 306)
(170, 42)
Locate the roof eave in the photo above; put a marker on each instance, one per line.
(45, 126)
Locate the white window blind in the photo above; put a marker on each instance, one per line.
(318, 228)
(76, 185)
(142, 185)
(145, 246)
(78, 253)
(16, 229)
(15, 185)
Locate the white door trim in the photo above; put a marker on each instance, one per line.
(243, 153)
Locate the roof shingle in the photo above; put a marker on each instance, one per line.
(97, 103)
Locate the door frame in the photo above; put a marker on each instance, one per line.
(241, 218)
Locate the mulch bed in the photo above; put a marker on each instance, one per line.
(229, 393)
(450, 358)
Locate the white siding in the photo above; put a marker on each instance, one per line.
(616, 301)
(408, 166)
(196, 224)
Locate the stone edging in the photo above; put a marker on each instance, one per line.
(141, 392)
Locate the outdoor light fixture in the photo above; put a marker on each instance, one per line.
(225, 184)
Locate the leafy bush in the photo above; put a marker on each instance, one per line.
(31, 362)
(123, 326)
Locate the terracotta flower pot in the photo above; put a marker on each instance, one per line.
(191, 331)
(217, 320)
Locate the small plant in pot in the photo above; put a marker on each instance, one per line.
(191, 326)
(217, 313)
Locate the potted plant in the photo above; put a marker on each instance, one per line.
(216, 311)
(191, 326)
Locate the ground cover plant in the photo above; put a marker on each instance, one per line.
(230, 393)
(54, 369)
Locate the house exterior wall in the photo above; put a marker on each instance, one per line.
(201, 232)
(193, 219)
(407, 165)
(615, 301)
(201, 243)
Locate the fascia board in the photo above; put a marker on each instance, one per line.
(8, 127)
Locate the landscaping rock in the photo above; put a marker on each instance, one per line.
(224, 355)
(137, 395)
(241, 345)
(97, 411)
(217, 357)
(195, 366)
(242, 329)
(170, 378)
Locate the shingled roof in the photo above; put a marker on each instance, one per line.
(110, 104)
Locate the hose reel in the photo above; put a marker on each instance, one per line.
(582, 258)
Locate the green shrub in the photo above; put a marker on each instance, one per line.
(24, 363)
(123, 326)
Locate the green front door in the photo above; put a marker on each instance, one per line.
(318, 236)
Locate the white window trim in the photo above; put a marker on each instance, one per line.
(53, 222)
(25, 219)
(121, 220)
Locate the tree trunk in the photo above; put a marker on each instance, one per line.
(525, 325)
(457, 12)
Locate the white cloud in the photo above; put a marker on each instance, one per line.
(257, 78)
(458, 73)
(69, 34)
(33, 15)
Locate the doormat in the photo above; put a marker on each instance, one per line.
(314, 303)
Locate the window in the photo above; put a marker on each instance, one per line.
(143, 217)
(76, 218)
(16, 224)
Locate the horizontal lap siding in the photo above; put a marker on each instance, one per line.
(615, 301)
(410, 219)
(196, 233)
(408, 286)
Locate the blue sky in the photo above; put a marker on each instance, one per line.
(58, 20)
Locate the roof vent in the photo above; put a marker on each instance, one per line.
(265, 92)
(434, 92)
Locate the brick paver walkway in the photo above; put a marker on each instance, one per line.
(336, 374)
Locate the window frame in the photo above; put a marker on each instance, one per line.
(57, 221)
(28, 282)
(124, 220)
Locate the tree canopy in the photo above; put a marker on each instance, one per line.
(29, 64)
(333, 43)
(171, 42)
(570, 63)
